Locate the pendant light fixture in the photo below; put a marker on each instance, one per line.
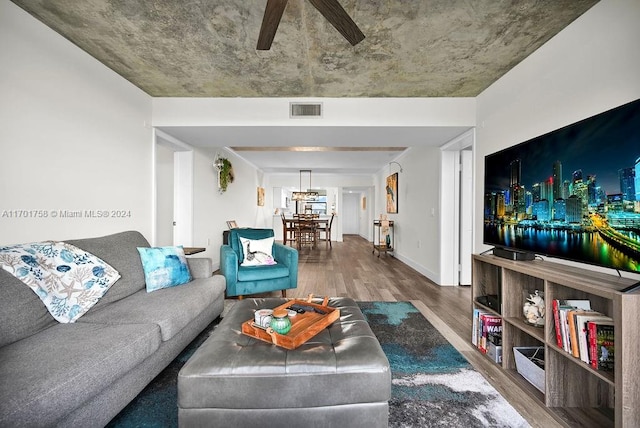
(309, 195)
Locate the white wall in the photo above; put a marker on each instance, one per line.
(336, 112)
(211, 209)
(416, 226)
(164, 195)
(590, 67)
(72, 137)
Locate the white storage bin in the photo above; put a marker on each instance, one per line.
(529, 370)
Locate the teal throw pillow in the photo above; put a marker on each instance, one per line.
(164, 267)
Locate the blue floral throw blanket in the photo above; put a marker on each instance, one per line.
(68, 280)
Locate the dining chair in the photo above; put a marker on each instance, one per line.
(306, 231)
(326, 229)
(288, 230)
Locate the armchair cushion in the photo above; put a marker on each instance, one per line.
(256, 273)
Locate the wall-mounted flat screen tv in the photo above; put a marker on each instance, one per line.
(573, 193)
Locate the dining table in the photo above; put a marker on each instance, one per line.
(293, 225)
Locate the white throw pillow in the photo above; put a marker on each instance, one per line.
(257, 252)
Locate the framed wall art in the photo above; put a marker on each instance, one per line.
(392, 193)
(260, 196)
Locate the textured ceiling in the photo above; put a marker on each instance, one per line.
(207, 48)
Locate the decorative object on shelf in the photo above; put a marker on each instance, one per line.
(225, 173)
(308, 195)
(385, 240)
(260, 196)
(383, 235)
(533, 308)
(392, 193)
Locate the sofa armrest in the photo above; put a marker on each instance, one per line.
(200, 267)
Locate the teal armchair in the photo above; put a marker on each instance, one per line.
(245, 280)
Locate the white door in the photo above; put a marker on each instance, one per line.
(350, 214)
(466, 215)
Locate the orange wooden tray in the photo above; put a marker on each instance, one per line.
(303, 326)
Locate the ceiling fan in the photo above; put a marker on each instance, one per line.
(331, 9)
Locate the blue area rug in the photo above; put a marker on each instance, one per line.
(432, 384)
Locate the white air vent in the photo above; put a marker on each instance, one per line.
(306, 110)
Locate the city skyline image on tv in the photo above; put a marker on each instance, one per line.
(573, 193)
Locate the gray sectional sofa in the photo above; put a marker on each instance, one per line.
(84, 373)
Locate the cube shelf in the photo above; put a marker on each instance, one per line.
(575, 394)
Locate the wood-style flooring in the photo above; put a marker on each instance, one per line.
(350, 269)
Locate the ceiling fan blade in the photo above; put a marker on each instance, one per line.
(270, 21)
(340, 19)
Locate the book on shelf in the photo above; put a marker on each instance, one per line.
(581, 321)
(486, 328)
(561, 320)
(555, 306)
(578, 329)
(576, 318)
(476, 330)
(601, 345)
(491, 331)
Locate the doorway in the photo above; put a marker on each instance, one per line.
(350, 213)
(173, 197)
(456, 223)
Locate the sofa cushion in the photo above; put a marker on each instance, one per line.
(120, 251)
(49, 374)
(164, 267)
(170, 308)
(21, 310)
(68, 280)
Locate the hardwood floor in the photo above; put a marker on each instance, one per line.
(350, 269)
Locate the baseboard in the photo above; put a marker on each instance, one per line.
(433, 276)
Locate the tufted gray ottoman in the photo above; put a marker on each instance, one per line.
(339, 378)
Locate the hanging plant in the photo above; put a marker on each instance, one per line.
(225, 173)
